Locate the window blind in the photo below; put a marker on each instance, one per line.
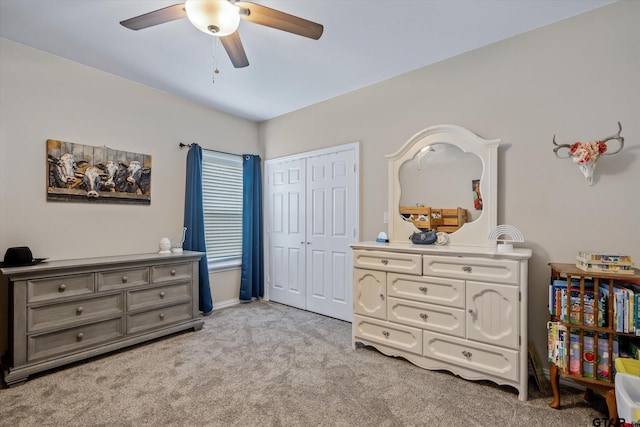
(222, 203)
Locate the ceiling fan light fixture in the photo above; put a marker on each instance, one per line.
(214, 17)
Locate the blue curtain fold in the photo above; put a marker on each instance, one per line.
(252, 277)
(194, 221)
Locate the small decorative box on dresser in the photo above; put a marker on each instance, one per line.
(457, 308)
(65, 311)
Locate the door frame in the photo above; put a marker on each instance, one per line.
(355, 146)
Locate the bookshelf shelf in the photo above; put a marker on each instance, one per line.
(590, 326)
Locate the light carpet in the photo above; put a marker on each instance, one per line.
(267, 364)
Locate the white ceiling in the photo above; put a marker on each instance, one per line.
(364, 41)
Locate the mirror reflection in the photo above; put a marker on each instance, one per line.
(440, 188)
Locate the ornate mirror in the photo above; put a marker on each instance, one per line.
(444, 178)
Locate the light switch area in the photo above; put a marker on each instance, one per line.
(385, 217)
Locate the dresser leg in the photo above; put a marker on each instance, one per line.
(554, 378)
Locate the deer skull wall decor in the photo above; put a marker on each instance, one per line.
(586, 154)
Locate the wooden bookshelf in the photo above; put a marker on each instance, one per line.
(603, 386)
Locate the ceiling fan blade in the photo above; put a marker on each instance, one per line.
(235, 50)
(279, 20)
(160, 16)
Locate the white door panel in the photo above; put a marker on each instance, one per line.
(286, 233)
(312, 221)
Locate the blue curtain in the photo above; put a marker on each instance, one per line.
(194, 221)
(252, 278)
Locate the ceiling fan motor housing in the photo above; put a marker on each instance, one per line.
(217, 17)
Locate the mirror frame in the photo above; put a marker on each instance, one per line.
(474, 233)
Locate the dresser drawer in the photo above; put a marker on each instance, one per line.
(53, 288)
(427, 316)
(159, 296)
(172, 272)
(74, 339)
(388, 261)
(120, 279)
(436, 290)
(158, 318)
(483, 269)
(484, 359)
(67, 313)
(392, 335)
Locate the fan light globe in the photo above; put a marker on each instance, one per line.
(217, 17)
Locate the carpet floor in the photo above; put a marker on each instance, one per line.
(267, 364)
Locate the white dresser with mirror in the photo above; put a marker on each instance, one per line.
(462, 306)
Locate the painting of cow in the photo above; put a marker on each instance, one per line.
(84, 173)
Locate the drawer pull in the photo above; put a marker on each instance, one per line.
(467, 268)
(79, 310)
(467, 354)
(385, 333)
(79, 336)
(423, 289)
(424, 316)
(161, 294)
(384, 261)
(382, 297)
(125, 279)
(173, 272)
(62, 287)
(471, 311)
(161, 316)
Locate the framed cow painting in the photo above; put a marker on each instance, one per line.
(83, 173)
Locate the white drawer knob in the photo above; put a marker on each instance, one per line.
(62, 287)
(79, 336)
(161, 294)
(125, 279)
(161, 316)
(173, 272)
(79, 310)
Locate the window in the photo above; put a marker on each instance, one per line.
(222, 203)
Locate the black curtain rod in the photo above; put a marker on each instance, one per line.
(182, 145)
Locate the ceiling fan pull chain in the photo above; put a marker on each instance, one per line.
(216, 70)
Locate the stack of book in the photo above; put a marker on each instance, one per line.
(604, 263)
(559, 298)
(625, 299)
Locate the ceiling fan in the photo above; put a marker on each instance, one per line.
(221, 19)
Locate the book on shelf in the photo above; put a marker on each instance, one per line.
(604, 257)
(559, 298)
(604, 263)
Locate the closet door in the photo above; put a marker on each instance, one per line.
(286, 232)
(331, 208)
(312, 208)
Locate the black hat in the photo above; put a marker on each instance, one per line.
(19, 257)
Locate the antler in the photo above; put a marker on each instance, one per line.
(616, 137)
(559, 146)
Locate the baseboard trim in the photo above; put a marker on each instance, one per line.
(225, 304)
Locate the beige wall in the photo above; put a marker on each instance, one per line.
(48, 97)
(575, 78)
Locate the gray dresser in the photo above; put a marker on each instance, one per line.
(64, 311)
